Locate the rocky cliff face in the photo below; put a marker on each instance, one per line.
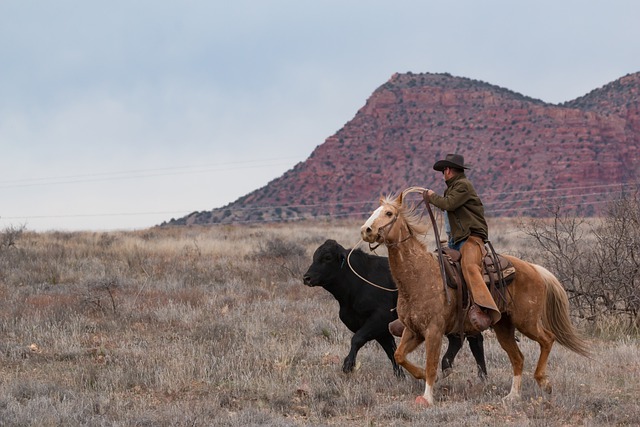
(527, 156)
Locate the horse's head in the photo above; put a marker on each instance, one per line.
(394, 222)
(379, 228)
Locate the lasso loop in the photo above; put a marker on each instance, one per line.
(362, 278)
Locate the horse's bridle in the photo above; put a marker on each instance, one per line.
(389, 225)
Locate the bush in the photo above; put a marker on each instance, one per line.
(10, 236)
(597, 262)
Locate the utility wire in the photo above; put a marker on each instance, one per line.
(146, 173)
(191, 169)
(331, 205)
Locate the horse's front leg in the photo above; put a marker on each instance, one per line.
(409, 341)
(433, 345)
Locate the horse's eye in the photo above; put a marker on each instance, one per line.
(389, 213)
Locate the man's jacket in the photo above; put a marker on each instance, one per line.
(464, 208)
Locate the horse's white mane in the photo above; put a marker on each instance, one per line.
(410, 213)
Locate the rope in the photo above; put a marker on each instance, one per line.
(441, 260)
(362, 278)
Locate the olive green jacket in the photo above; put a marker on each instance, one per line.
(464, 209)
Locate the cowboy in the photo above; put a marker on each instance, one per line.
(469, 232)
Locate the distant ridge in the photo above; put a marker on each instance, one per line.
(528, 156)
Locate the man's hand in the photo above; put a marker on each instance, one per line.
(428, 193)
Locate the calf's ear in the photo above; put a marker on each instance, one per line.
(343, 260)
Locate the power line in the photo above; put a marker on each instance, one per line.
(94, 215)
(544, 190)
(368, 202)
(146, 173)
(341, 214)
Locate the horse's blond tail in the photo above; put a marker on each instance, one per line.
(556, 315)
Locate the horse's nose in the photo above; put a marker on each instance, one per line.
(306, 279)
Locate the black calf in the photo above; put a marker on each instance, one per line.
(364, 309)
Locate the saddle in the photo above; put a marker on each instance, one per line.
(496, 276)
(491, 272)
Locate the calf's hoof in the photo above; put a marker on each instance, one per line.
(350, 366)
(398, 372)
(446, 372)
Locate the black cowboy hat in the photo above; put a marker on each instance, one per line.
(455, 161)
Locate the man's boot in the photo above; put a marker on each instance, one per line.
(478, 318)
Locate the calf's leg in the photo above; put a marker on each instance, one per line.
(388, 344)
(454, 346)
(370, 330)
(476, 344)
(358, 340)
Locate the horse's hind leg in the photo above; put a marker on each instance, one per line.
(505, 333)
(545, 339)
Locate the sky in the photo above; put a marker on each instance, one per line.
(120, 115)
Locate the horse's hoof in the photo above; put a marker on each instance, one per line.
(421, 401)
(446, 372)
(510, 398)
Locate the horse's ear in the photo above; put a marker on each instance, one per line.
(399, 199)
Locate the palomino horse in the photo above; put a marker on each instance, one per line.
(535, 304)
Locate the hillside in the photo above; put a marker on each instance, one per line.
(527, 155)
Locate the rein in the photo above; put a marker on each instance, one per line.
(438, 246)
(441, 260)
(362, 278)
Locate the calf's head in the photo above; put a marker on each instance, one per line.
(328, 260)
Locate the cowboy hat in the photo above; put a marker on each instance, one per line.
(455, 161)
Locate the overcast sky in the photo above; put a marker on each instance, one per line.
(124, 114)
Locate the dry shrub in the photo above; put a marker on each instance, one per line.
(598, 262)
(10, 236)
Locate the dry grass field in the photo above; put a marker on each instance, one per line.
(213, 326)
